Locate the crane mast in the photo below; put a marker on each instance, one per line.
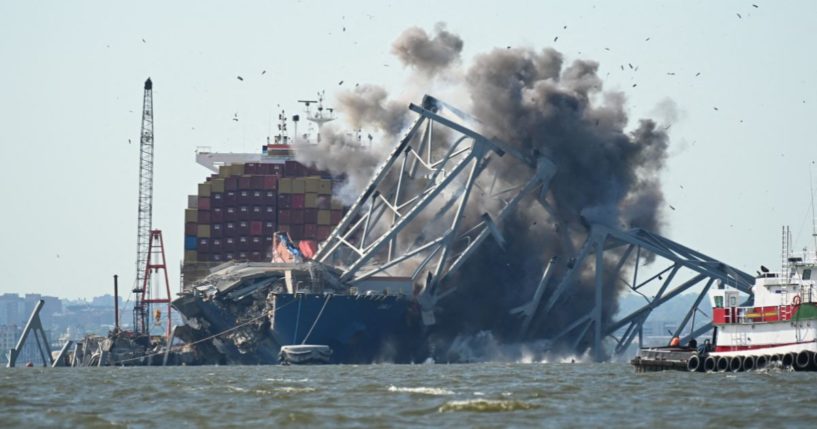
(145, 214)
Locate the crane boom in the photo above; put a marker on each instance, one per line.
(145, 214)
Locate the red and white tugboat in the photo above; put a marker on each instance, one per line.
(778, 328)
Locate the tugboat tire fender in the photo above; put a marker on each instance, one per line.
(694, 363)
(710, 363)
(803, 360)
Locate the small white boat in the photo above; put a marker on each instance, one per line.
(305, 354)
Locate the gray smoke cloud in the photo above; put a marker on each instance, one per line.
(531, 99)
(428, 55)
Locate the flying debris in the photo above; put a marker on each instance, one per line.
(508, 47)
(240, 78)
(631, 66)
(143, 41)
(739, 17)
(564, 28)
(340, 83)
(235, 117)
(622, 67)
(556, 38)
(754, 6)
(606, 49)
(673, 208)
(697, 74)
(344, 29)
(263, 72)
(671, 73)
(634, 85)
(647, 39)
(715, 108)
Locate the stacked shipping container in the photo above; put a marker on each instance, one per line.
(237, 210)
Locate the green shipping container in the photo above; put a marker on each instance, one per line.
(285, 185)
(312, 184)
(190, 256)
(203, 231)
(324, 217)
(217, 185)
(298, 185)
(191, 215)
(311, 201)
(325, 187)
(204, 189)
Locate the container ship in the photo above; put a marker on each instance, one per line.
(249, 284)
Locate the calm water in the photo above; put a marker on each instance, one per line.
(476, 395)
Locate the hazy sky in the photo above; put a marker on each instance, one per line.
(73, 72)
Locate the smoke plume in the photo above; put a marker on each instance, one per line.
(541, 104)
(428, 55)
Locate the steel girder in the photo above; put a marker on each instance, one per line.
(410, 219)
(604, 242)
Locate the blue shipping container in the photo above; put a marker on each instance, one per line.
(190, 242)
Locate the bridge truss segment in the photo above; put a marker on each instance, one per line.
(418, 217)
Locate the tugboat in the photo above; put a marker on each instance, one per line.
(777, 326)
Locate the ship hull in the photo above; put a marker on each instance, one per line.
(358, 328)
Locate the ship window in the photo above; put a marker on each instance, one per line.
(807, 274)
(733, 301)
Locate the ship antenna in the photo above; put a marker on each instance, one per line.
(813, 223)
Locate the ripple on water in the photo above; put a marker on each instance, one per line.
(435, 391)
(485, 406)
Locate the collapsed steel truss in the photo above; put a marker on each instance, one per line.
(639, 245)
(427, 174)
(428, 180)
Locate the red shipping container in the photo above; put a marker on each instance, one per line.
(216, 230)
(256, 227)
(257, 182)
(292, 169)
(231, 183)
(310, 216)
(296, 217)
(283, 228)
(203, 245)
(284, 201)
(284, 216)
(191, 228)
(243, 228)
(217, 215)
(323, 232)
(204, 203)
(297, 200)
(335, 216)
(296, 232)
(270, 182)
(245, 182)
(310, 231)
(217, 199)
(230, 198)
(203, 216)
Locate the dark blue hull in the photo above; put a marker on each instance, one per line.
(358, 328)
